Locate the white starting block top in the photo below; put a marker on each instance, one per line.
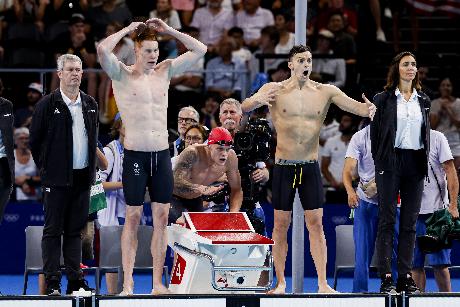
(218, 252)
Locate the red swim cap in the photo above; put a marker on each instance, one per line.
(220, 136)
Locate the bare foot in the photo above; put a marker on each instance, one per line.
(160, 290)
(126, 292)
(280, 288)
(326, 289)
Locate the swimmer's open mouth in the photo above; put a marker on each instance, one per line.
(305, 73)
(223, 160)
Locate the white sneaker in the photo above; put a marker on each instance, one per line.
(381, 35)
(82, 293)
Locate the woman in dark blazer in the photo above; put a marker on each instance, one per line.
(400, 145)
(6, 153)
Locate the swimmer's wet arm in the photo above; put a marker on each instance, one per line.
(348, 104)
(234, 181)
(183, 186)
(108, 60)
(196, 51)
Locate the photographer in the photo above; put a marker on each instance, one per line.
(250, 162)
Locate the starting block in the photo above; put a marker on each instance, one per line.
(218, 252)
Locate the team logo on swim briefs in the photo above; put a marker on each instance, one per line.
(136, 169)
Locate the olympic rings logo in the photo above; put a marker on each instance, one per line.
(11, 218)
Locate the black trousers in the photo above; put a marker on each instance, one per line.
(407, 180)
(66, 213)
(5, 185)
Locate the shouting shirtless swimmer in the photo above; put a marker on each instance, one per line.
(298, 107)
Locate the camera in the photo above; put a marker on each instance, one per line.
(251, 146)
(254, 143)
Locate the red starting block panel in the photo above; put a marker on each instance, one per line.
(246, 238)
(218, 221)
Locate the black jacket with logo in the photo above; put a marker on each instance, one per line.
(51, 138)
(384, 125)
(6, 128)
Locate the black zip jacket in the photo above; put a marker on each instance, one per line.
(6, 128)
(51, 139)
(384, 125)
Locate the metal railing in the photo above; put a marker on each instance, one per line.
(43, 71)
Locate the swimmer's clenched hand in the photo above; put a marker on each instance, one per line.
(159, 25)
(371, 106)
(136, 26)
(209, 190)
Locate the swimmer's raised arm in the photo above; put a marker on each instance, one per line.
(183, 62)
(108, 60)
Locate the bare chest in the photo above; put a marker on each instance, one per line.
(206, 175)
(142, 90)
(300, 103)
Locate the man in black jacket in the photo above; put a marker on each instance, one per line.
(63, 141)
(6, 153)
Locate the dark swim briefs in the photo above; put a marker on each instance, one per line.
(147, 169)
(289, 175)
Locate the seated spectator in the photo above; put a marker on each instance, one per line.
(281, 73)
(423, 72)
(166, 43)
(99, 17)
(23, 28)
(333, 156)
(344, 43)
(224, 75)
(332, 71)
(336, 6)
(195, 134)
(209, 111)
(62, 10)
(241, 53)
(287, 38)
(213, 21)
(252, 19)
(76, 42)
(269, 38)
(445, 117)
(27, 180)
(185, 9)
(23, 116)
(185, 88)
(187, 116)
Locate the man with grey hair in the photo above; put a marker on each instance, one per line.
(187, 116)
(63, 138)
(230, 115)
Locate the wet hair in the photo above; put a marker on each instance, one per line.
(200, 128)
(393, 73)
(144, 34)
(298, 49)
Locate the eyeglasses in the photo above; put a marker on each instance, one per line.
(195, 138)
(186, 120)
